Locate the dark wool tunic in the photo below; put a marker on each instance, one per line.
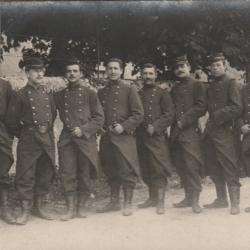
(31, 115)
(121, 104)
(224, 107)
(79, 106)
(159, 112)
(190, 104)
(245, 119)
(5, 140)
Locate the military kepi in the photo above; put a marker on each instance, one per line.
(180, 60)
(216, 57)
(34, 63)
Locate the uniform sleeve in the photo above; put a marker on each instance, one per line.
(234, 107)
(199, 107)
(136, 112)
(240, 121)
(13, 115)
(97, 116)
(167, 116)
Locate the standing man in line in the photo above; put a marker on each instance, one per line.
(189, 99)
(224, 107)
(31, 116)
(244, 123)
(152, 147)
(123, 113)
(82, 116)
(6, 157)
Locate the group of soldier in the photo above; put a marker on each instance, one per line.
(134, 143)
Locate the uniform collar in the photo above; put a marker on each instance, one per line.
(74, 85)
(34, 86)
(147, 86)
(114, 83)
(220, 78)
(183, 80)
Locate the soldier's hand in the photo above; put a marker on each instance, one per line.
(77, 132)
(245, 129)
(118, 129)
(150, 129)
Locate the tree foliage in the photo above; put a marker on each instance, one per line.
(134, 31)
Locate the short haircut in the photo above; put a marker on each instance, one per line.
(73, 62)
(149, 65)
(119, 61)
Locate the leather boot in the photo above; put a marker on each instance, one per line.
(160, 207)
(128, 195)
(151, 201)
(71, 207)
(114, 204)
(195, 202)
(234, 194)
(24, 217)
(221, 200)
(39, 209)
(5, 211)
(186, 202)
(81, 205)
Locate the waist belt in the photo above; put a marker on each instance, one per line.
(42, 129)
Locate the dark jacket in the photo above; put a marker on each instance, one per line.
(159, 112)
(31, 115)
(5, 140)
(79, 106)
(121, 104)
(189, 98)
(224, 107)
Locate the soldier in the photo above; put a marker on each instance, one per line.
(123, 113)
(82, 116)
(244, 123)
(152, 147)
(31, 115)
(189, 99)
(6, 157)
(224, 107)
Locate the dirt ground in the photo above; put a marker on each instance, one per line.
(144, 230)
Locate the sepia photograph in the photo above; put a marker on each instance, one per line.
(125, 125)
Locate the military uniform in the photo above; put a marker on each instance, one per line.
(78, 157)
(190, 104)
(224, 107)
(122, 105)
(153, 150)
(245, 119)
(31, 116)
(6, 157)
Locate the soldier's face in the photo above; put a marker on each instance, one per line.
(218, 68)
(182, 70)
(35, 75)
(114, 71)
(149, 76)
(73, 73)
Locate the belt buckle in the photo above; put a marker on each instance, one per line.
(42, 129)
